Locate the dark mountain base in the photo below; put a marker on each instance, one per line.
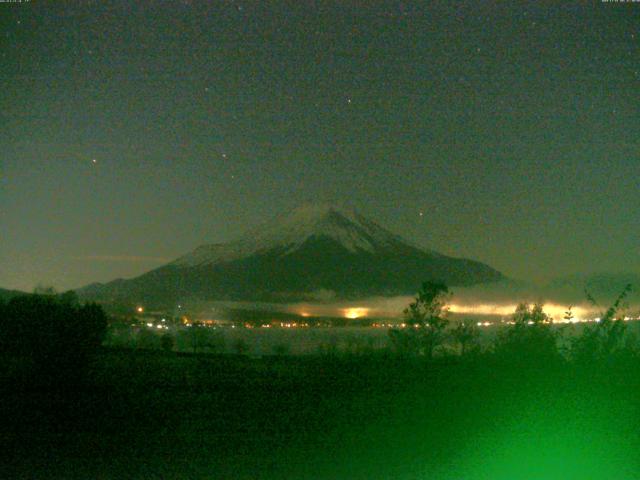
(319, 266)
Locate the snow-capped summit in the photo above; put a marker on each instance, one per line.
(291, 230)
(347, 227)
(315, 247)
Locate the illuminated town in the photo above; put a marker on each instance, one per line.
(487, 315)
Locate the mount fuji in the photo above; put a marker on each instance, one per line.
(314, 252)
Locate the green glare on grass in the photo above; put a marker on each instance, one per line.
(545, 446)
(549, 457)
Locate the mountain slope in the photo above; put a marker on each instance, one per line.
(315, 251)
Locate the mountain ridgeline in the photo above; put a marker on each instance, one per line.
(315, 252)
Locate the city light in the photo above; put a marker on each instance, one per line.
(353, 313)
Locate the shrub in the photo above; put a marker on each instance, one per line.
(167, 342)
(466, 335)
(329, 348)
(604, 338)
(404, 343)
(146, 339)
(240, 347)
(530, 339)
(281, 349)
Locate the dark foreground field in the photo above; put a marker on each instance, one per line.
(149, 415)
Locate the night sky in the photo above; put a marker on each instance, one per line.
(133, 132)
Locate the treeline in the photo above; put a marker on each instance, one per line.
(529, 337)
(50, 337)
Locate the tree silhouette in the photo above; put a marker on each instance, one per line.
(530, 338)
(426, 322)
(53, 333)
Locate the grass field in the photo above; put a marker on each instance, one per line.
(151, 414)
